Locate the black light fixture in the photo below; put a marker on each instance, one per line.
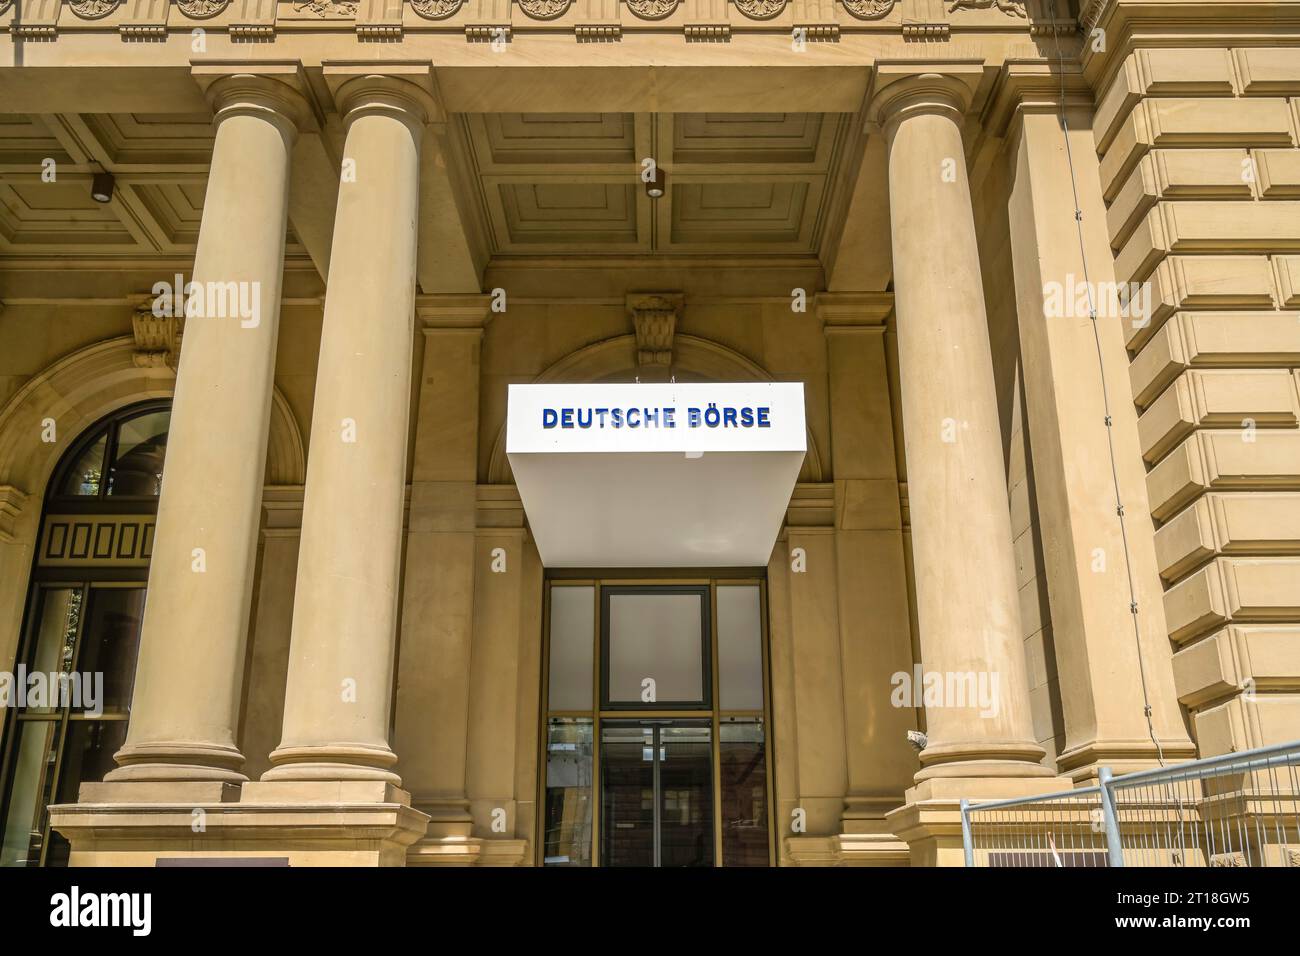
(654, 188)
(101, 187)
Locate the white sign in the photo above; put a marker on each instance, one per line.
(685, 417)
(679, 475)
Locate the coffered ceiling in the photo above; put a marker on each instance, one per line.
(160, 163)
(569, 183)
(538, 184)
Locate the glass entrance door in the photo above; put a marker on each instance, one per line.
(657, 792)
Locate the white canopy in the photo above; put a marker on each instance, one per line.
(662, 475)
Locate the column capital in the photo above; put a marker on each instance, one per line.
(853, 311)
(908, 87)
(404, 89)
(454, 312)
(275, 89)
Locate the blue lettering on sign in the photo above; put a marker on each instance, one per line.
(712, 416)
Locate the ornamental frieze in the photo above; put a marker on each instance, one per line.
(93, 9)
(869, 9)
(202, 9)
(544, 9)
(436, 9)
(760, 9)
(652, 9)
(327, 8)
(1014, 7)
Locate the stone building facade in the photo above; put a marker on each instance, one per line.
(1035, 264)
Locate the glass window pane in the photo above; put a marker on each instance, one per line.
(656, 637)
(627, 794)
(55, 642)
(84, 476)
(743, 762)
(138, 459)
(573, 635)
(87, 757)
(740, 648)
(109, 647)
(686, 792)
(29, 793)
(566, 840)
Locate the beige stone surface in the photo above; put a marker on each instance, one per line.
(918, 196)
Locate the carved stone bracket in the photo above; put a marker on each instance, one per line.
(654, 315)
(157, 337)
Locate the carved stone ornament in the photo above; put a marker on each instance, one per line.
(93, 9)
(328, 8)
(436, 9)
(654, 317)
(1014, 7)
(760, 9)
(869, 9)
(652, 9)
(202, 9)
(5, 4)
(544, 9)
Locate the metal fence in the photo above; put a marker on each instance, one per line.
(1241, 809)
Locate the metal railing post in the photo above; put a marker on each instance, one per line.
(1114, 850)
(967, 840)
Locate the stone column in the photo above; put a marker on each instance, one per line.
(185, 709)
(967, 606)
(339, 691)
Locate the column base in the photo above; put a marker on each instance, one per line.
(358, 763)
(177, 761)
(929, 820)
(276, 825)
(880, 848)
(1121, 756)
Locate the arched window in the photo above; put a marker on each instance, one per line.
(70, 693)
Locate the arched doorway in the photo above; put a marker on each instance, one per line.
(70, 693)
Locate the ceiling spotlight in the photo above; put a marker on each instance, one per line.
(101, 187)
(654, 188)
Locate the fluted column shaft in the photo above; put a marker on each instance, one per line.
(340, 680)
(189, 674)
